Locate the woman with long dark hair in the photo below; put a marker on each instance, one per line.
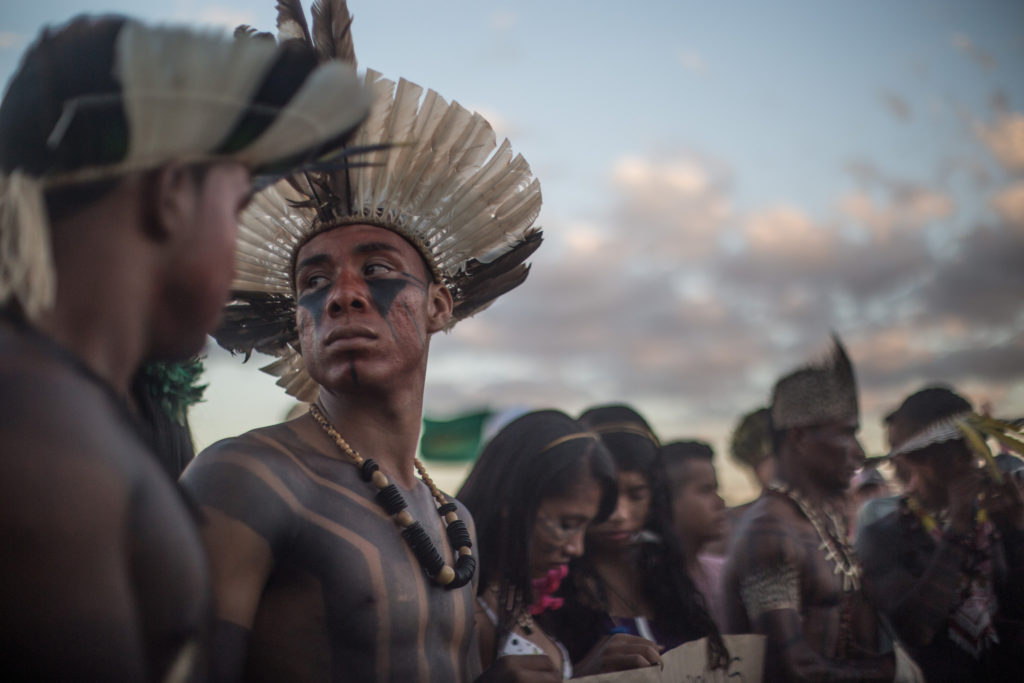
(534, 490)
(632, 578)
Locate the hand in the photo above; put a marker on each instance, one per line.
(521, 669)
(1004, 504)
(963, 492)
(619, 652)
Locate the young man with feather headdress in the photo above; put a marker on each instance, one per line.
(331, 559)
(791, 574)
(126, 154)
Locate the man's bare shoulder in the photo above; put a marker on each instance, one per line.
(771, 532)
(56, 416)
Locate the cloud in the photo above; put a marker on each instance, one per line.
(976, 54)
(672, 207)
(673, 300)
(896, 105)
(1009, 204)
(909, 207)
(1005, 139)
(504, 20)
(691, 61)
(10, 40)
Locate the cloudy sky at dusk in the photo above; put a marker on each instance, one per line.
(724, 185)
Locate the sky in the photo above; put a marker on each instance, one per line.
(725, 184)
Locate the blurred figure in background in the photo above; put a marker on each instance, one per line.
(947, 567)
(162, 393)
(629, 597)
(791, 574)
(866, 485)
(698, 516)
(534, 491)
(750, 447)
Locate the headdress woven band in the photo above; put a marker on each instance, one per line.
(190, 97)
(439, 179)
(972, 428)
(569, 437)
(627, 428)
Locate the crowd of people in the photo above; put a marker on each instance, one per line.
(152, 175)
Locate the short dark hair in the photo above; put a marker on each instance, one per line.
(674, 456)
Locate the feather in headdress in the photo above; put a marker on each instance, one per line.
(436, 175)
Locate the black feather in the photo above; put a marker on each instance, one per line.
(258, 321)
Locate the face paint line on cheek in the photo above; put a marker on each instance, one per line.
(383, 293)
(415, 281)
(314, 302)
(352, 369)
(419, 333)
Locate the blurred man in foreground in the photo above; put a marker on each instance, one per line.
(126, 155)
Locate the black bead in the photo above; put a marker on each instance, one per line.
(464, 568)
(390, 498)
(367, 469)
(423, 548)
(446, 508)
(458, 535)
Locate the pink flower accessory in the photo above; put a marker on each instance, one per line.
(544, 587)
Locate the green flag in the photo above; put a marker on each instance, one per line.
(454, 440)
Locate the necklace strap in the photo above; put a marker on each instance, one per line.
(391, 499)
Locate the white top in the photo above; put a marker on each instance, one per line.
(516, 644)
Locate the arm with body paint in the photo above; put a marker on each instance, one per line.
(245, 518)
(770, 560)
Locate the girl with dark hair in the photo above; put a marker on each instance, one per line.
(632, 578)
(537, 486)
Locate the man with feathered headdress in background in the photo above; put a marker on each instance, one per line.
(331, 559)
(791, 574)
(947, 566)
(126, 154)
(750, 446)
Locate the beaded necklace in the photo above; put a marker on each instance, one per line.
(832, 533)
(971, 622)
(391, 499)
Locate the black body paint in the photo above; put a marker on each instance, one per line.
(383, 293)
(314, 303)
(415, 280)
(352, 369)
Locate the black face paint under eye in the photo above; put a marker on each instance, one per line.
(383, 293)
(314, 303)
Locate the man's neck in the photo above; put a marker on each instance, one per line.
(809, 490)
(103, 293)
(385, 428)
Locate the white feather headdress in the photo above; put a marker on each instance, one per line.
(439, 179)
(176, 95)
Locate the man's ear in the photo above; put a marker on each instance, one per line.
(168, 201)
(439, 307)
